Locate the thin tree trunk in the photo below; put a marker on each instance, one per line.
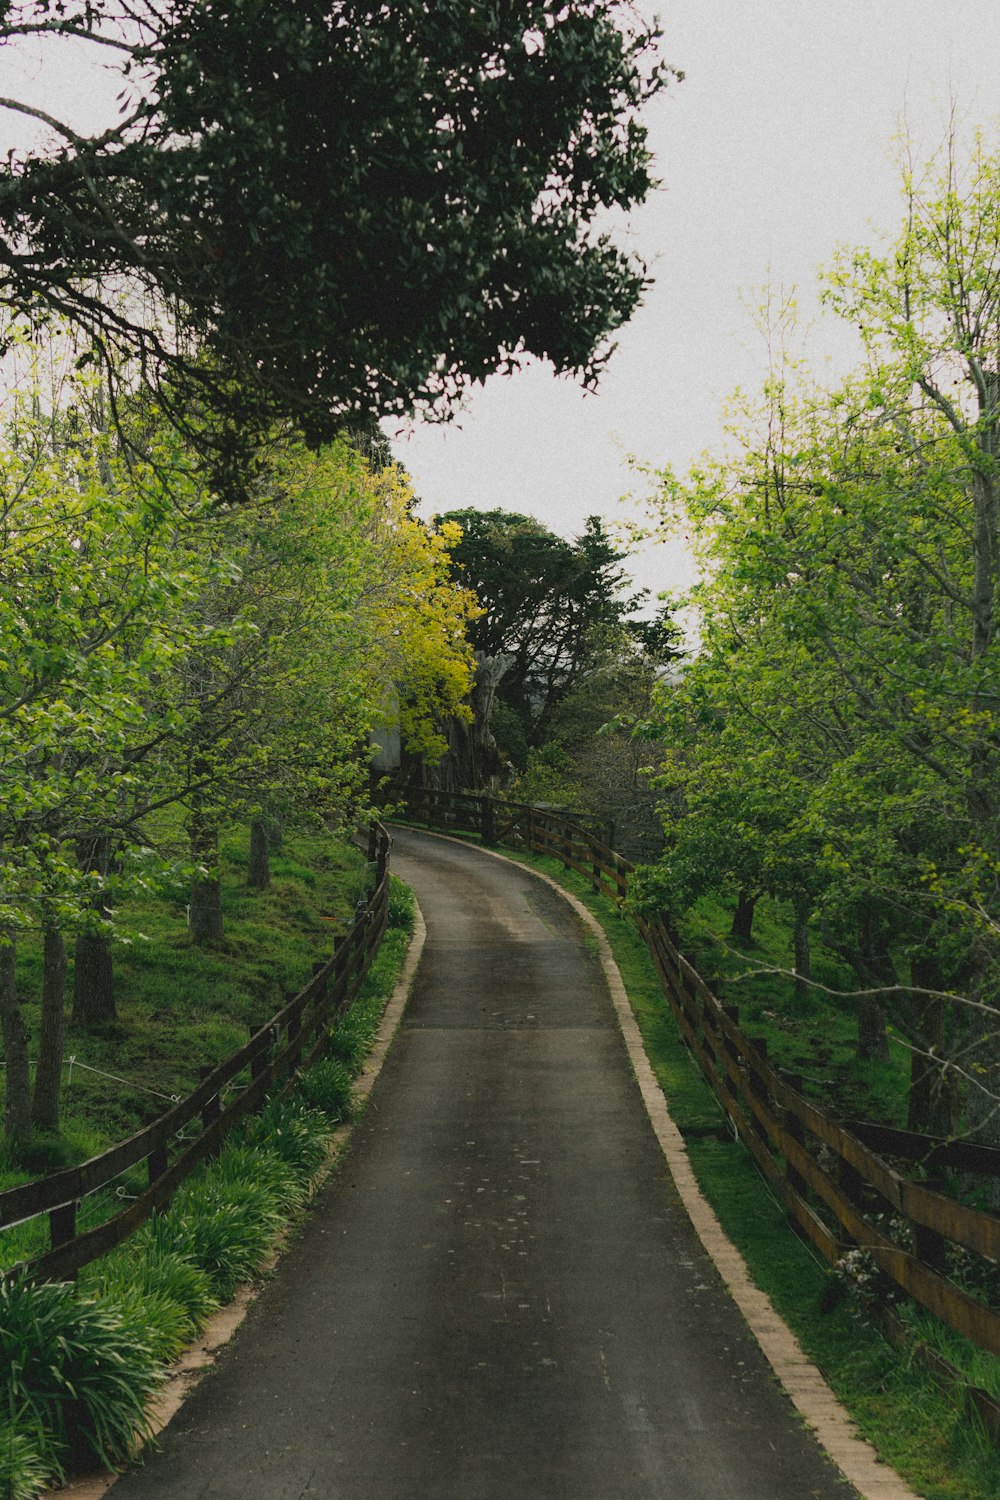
(93, 963)
(205, 911)
(17, 1108)
(48, 1075)
(803, 954)
(742, 928)
(873, 1044)
(259, 872)
(872, 962)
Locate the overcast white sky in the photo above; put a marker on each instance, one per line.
(775, 148)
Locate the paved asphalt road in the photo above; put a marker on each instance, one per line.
(498, 1294)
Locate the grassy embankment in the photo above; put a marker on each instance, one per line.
(921, 1431)
(81, 1363)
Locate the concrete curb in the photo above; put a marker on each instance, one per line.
(195, 1362)
(798, 1376)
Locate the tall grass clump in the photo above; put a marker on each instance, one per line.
(76, 1373)
(327, 1087)
(24, 1470)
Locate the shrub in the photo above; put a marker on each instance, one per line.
(349, 1044)
(75, 1370)
(400, 905)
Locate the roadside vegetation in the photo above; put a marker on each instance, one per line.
(83, 1362)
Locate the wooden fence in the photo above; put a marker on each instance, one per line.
(288, 1043)
(834, 1178)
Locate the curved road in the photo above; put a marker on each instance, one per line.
(498, 1293)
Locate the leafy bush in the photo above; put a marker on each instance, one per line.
(152, 1268)
(75, 1370)
(349, 1044)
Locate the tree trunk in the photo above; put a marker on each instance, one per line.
(48, 1075)
(17, 1109)
(205, 911)
(872, 963)
(93, 963)
(742, 928)
(803, 955)
(259, 872)
(873, 1044)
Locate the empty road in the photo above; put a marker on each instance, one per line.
(498, 1293)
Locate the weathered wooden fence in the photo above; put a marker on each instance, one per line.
(833, 1178)
(288, 1043)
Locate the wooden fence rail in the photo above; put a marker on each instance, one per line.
(838, 1189)
(289, 1042)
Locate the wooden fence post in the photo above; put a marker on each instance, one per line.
(487, 825)
(928, 1245)
(62, 1224)
(756, 1083)
(729, 1050)
(212, 1107)
(797, 1131)
(156, 1164)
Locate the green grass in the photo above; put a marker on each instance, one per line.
(921, 1431)
(181, 1006)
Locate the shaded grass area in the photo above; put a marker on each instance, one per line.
(181, 1007)
(78, 1364)
(924, 1433)
(815, 1034)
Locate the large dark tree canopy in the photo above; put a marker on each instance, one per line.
(357, 208)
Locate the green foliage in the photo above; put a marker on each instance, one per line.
(223, 1228)
(356, 210)
(328, 1084)
(833, 741)
(543, 600)
(145, 1273)
(25, 1470)
(295, 1134)
(75, 1368)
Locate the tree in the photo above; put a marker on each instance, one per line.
(849, 663)
(349, 208)
(544, 602)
